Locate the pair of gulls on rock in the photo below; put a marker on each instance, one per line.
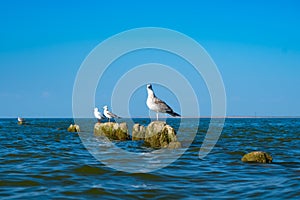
(106, 113)
(153, 103)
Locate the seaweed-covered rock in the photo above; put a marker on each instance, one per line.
(112, 130)
(257, 157)
(174, 145)
(74, 128)
(138, 132)
(161, 135)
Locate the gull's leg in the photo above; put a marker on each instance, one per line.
(156, 116)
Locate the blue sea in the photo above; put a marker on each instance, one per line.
(41, 160)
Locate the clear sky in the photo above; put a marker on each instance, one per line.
(255, 44)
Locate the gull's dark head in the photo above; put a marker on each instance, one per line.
(149, 86)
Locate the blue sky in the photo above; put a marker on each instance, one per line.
(255, 44)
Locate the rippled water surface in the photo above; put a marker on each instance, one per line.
(43, 160)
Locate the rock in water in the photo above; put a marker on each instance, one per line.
(174, 145)
(257, 157)
(161, 135)
(74, 128)
(138, 132)
(112, 130)
(156, 135)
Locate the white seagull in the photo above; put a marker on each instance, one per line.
(108, 114)
(157, 105)
(98, 115)
(20, 119)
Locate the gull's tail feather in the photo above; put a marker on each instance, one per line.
(173, 114)
(114, 115)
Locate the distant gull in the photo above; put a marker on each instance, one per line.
(98, 115)
(20, 119)
(157, 105)
(108, 114)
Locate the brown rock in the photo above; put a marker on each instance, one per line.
(257, 157)
(160, 135)
(112, 130)
(138, 132)
(74, 128)
(174, 145)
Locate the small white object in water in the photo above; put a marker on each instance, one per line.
(20, 119)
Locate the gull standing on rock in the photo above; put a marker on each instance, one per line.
(20, 120)
(98, 115)
(157, 105)
(108, 114)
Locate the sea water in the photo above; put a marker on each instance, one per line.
(41, 160)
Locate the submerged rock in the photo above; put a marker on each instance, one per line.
(157, 135)
(257, 157)
(112, 130)
(74, 128)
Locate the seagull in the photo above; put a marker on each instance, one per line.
(20, 119)
(108, 114)
(158, 105)
(98, 115)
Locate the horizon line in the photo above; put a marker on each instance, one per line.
(164, 117)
